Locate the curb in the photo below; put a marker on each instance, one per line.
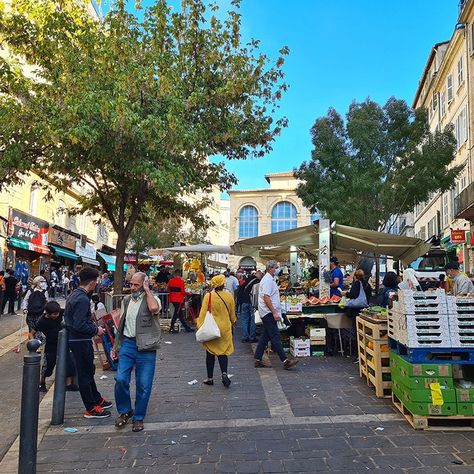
(8, 343)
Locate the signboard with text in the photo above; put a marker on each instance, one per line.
(458, 237)
(324, 255)
(63, 239)
(28, 228)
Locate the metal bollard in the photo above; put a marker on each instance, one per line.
(59, 398)
(29, 409)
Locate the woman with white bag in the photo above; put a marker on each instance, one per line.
(221, 305)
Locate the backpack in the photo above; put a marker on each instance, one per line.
(36, 302)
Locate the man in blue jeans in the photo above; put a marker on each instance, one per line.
(269, 308)
(247, 317)
(137, 339)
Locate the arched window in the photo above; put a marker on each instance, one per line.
(315, 216)
(248, 222)
(283, 216)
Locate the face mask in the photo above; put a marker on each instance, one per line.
(44, 285)
(137, 294)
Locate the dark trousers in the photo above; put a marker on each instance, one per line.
(10, 298)
(49, 362)
(270, 333)
(83, 353)
(178, 314)
(211, 360)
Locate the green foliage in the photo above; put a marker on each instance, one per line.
(130, 110)
(379, 162)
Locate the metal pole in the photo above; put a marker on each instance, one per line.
(59, 399)
(29, 409)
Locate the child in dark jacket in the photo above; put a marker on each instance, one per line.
(50, 324)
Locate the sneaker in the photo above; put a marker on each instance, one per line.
(97, 412)
(42, 388)
(72, 387)
(105, 403)
(261, 363)
(226, 380)
(289, 363)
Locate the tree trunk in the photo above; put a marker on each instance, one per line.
(120, 257)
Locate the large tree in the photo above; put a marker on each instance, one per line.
(130, 108)
(379, 162)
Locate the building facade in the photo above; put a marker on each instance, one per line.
(257, 212)
(445, 91)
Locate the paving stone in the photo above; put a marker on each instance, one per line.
(359, 463)
(306, 465)
(272, 466)
(391, 461)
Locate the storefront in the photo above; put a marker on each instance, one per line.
(87, 255)
(63, 245)
(108, 261)
(3, 242)
(27, 244)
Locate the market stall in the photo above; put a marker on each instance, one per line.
(308, 304)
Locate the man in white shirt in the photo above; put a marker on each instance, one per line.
(269, 308)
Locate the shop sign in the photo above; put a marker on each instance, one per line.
(89, 251)
(458, 237)
(28, 228)
(63, 239)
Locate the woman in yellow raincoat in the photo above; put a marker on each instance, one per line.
(223, 311)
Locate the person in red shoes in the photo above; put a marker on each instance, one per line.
(81, 329)
(177, 292)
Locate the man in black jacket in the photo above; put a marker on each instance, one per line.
(81, 329)
(10, 292)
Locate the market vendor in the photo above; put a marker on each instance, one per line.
(462, 284)
(336, 276)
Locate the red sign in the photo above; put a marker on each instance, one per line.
(29, 228)
(458, 237)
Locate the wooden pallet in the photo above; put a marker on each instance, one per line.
(373, 363)
(434, 422)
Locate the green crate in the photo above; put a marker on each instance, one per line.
(426, 409)
(422, 394)
(415, 383)
(464, 395)
(466, 409)
(419, 370)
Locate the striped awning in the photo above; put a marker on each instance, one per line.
(23, 244)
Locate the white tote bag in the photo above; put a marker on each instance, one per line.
(209, 329)
(258, 319)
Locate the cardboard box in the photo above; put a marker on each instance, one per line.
(313, 332)
(416, 383)
(408, 369)
(300, 352)
(299, 343)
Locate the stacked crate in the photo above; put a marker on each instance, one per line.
(420, 319)
(412, 385)
(461, 321)
(374, 363)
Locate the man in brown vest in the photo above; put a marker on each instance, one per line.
(138, 338)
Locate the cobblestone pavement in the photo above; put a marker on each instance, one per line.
(319, 417)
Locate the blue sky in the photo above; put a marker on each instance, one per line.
(341, 50)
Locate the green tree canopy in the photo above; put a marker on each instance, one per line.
(130, 109)
(377, 163)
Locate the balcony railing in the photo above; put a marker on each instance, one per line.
(464, 203)
(461, 5)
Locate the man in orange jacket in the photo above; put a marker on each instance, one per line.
(176, 297)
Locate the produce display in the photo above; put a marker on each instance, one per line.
(375, 312)
(325, 300)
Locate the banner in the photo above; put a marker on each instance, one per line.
(28, 228)
(458, 237)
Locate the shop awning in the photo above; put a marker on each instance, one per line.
(109, 261)
(23, 244)
(347, 243)
(61, 252)
(90, 261)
